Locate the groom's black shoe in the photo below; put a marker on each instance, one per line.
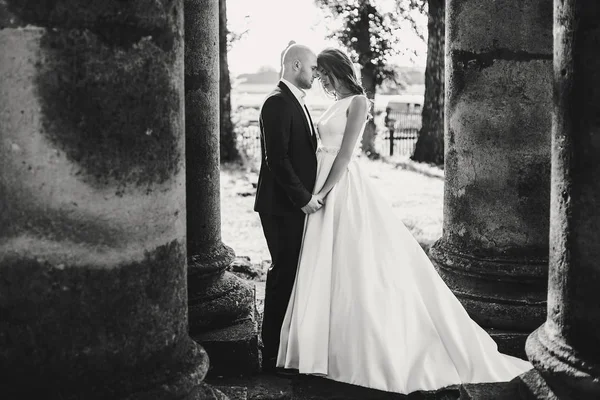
(269, 367)
(286, 372)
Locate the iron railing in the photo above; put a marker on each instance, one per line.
(397, 139)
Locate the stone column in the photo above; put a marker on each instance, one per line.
(221, 305)
(93, 295)
(493, 251)
(566, 349)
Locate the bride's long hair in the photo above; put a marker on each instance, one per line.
(336, 63)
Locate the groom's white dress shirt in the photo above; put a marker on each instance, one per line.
(299, 94)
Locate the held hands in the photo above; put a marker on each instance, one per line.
(314, 205)
(320, 198)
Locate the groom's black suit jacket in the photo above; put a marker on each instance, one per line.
(289, 164)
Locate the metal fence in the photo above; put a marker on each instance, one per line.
(248, 141)
(399, 137)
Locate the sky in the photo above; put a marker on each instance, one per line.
(271, 24)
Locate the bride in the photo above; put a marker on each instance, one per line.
(368, 307)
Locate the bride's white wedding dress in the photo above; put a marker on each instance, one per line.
(368, 307)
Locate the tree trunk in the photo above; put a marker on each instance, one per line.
(368, 75)
(228, 148)
(430, 144)
(368, 139)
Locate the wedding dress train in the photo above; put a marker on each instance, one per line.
(368, 308)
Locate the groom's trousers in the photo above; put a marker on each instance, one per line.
(284, 238)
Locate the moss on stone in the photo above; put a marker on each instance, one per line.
(117, 21)
(78, 326)
(115, 112)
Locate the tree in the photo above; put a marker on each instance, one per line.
(430, 143)
(369, 36)
(228, 150)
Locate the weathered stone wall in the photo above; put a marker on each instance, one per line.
(493, 252)
(565, 350)
(221, 306)
(499, 101)
(202, 124)
(93, 292)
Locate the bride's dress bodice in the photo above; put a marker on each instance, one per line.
(332, 124)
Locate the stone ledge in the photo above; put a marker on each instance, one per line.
(527, 386)
(509, 342)
(232, 351)
(489, 391)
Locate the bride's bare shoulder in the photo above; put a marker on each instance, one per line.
(359, 104)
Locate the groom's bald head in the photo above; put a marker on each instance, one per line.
(299, 65)
(295, 52)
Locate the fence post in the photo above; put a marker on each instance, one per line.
(391, 140)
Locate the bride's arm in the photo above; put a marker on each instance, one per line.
(357, 114)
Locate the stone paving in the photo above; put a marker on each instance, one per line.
(303, 387)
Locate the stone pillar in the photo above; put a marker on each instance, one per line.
(493, 251)
(93, 295)
(221, 305)
(566, 349)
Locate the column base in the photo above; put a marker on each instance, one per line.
(216, 298)
(562, 370)
(181, 378)
(233, 350)
(227, 301)
(222, 313)
(500, 293)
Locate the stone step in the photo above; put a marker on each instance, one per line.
(530, 385)
(509, 342)
(302, 387)
(233, 350)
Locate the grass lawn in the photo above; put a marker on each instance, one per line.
(416, 198)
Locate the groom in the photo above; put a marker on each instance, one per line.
(285, 184)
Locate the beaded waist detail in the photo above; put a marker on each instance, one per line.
(328, 149)
(335, 150)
